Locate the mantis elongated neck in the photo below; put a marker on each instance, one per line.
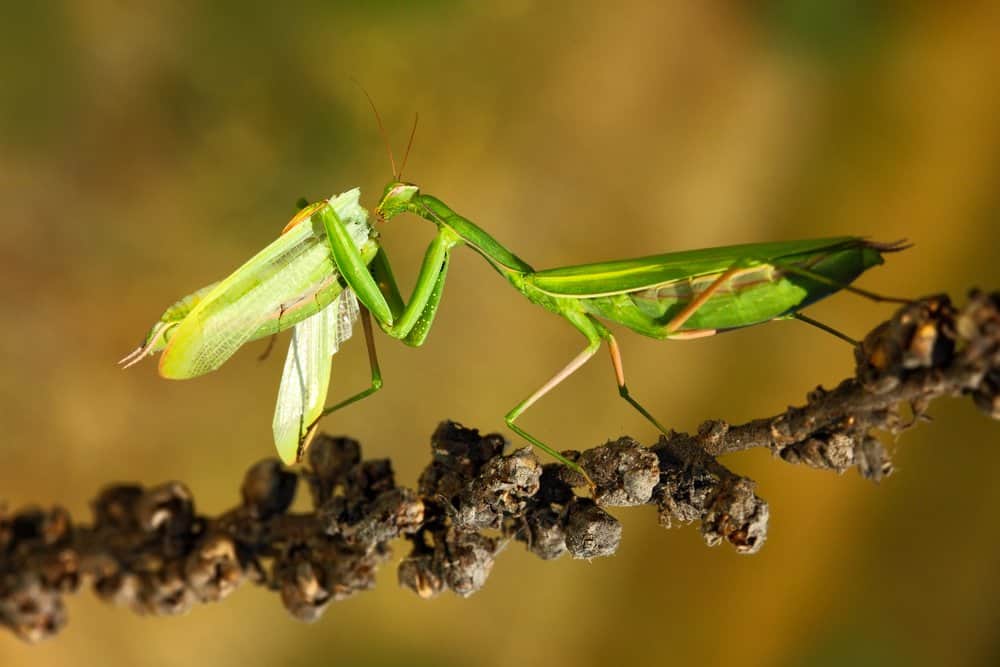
(433, 209)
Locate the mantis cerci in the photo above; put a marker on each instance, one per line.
(328, 254)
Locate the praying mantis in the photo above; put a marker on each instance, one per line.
(328, 259)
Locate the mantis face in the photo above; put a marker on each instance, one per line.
(396, 199)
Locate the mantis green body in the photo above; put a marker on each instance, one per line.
(329, 255)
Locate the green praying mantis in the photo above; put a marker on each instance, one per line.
(328, 259)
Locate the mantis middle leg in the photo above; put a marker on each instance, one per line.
(593, 331)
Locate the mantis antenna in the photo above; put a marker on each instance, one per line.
(409, 145)
(397, 174)
(381, 130)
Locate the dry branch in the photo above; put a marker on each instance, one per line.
(148, 548)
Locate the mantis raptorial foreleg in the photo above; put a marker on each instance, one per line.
(413, 319)
(386, 281)
(352, 266)
(418, 334)
(379, 293)
(616, 361)
(433, 271)
(426, 293)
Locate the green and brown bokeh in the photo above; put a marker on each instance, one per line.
(146, 152)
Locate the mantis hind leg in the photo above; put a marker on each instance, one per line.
(671, 330)
(825, 327)
(847, 287)
(820, 278)
(616, 361)
(696, 303)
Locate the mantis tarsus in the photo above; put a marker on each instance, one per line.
(328, 255)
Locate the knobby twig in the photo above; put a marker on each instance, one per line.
(148, 548)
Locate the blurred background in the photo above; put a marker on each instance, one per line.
(148, 150)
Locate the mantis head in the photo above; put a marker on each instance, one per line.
(396, 199)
